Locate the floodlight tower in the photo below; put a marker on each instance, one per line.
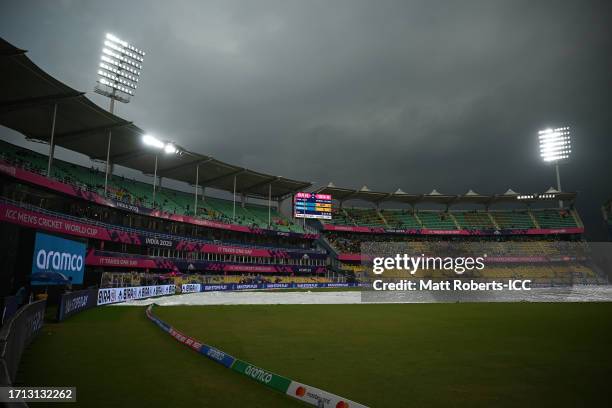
(118, 75)
(555, 148)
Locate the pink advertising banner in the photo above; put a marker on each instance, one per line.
(37, 220)
(37, 179)
(426, 231)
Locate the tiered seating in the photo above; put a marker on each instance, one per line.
(259, 216)
(513, 219)
(345, 244)
(400, 219)
(436, 220)
(355, 268)
(441, 220)
(339, 217)
(474, 220)
(140, 193)
(555, 218)
(561, 273)
(367, 217)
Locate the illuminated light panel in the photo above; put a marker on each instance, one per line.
(116, 79)
(106, 82)
(124, 44)
(555, 144)
(152, 141)
(119, 69)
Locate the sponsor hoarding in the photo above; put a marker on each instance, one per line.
(254, 286)
(75, 302)
(191, 287)
(319, 398)
(115, 295)
(426, 231)
(217, 355)
(267, 378)
(57, 261)
(305, 393)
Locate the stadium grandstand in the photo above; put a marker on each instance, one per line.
(525, 235)
(138, 231)
(523, 219)
(167, 215)
(131, 226)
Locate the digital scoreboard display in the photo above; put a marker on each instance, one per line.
(311, 205)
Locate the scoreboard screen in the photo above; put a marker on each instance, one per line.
(311, 205)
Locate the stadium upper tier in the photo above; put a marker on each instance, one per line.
(342, 195)
(140, 194)
(457, 219)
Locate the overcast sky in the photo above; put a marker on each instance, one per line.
(410, 94)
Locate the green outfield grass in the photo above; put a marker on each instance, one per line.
(418, 355)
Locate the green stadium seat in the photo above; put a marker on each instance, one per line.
(513, 219)
(557, 218)
(401, 219)
(436, 220)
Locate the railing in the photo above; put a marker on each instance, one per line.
(143, 232)
(16, 335)
(25, 165)
(263, 261)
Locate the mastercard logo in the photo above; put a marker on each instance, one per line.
(300, 391)
(342, 404)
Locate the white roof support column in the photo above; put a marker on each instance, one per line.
(195, 193)
(52, 141)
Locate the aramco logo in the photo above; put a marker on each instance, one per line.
(58, 261)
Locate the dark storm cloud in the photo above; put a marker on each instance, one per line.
(416, 95)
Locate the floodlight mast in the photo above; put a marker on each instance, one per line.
(118, 74)
(555, 148)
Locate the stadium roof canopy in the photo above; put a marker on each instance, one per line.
(345, 194)
(27, 101)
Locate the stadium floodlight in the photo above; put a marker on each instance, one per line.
(166, 147)
(555, 144)
(170, 148)
(118, 74)
(555, 148)
(119, 69)
(152, 141)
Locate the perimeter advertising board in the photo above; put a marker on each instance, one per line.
(115, 295)
(75, 302)
(57, 261)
